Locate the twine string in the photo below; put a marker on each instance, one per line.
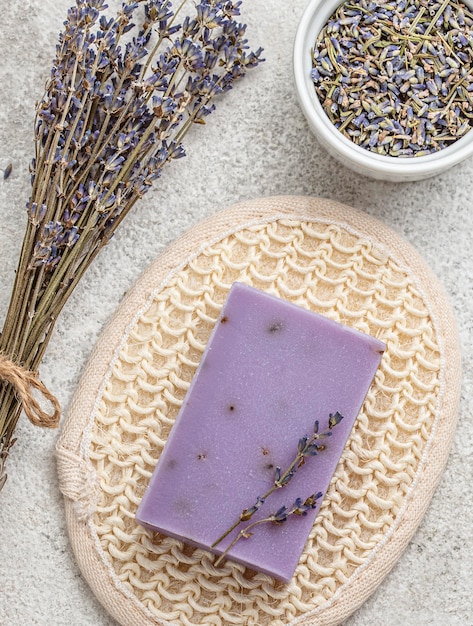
(25, 382)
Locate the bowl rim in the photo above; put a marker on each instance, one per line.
(313, 19)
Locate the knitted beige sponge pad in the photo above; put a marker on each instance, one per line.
(322, 256)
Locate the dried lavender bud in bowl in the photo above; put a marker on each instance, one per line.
(387, 87)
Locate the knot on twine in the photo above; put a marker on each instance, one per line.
(25, 383)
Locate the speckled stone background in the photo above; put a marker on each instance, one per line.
(256, 143)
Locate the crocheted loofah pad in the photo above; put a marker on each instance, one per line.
(322, 256)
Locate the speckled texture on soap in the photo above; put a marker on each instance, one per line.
(256, 143)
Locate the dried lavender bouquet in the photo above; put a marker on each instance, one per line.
(123, 92)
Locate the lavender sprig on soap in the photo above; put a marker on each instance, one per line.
(300, 507)
(307, 447)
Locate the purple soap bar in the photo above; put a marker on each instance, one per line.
(270, 369)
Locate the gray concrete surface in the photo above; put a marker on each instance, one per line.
(256, 143)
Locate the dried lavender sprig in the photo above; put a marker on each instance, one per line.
(112, 116)
(306, 447)
(7, 171)
(299, 508)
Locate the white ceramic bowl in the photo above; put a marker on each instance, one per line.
(397, 169)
